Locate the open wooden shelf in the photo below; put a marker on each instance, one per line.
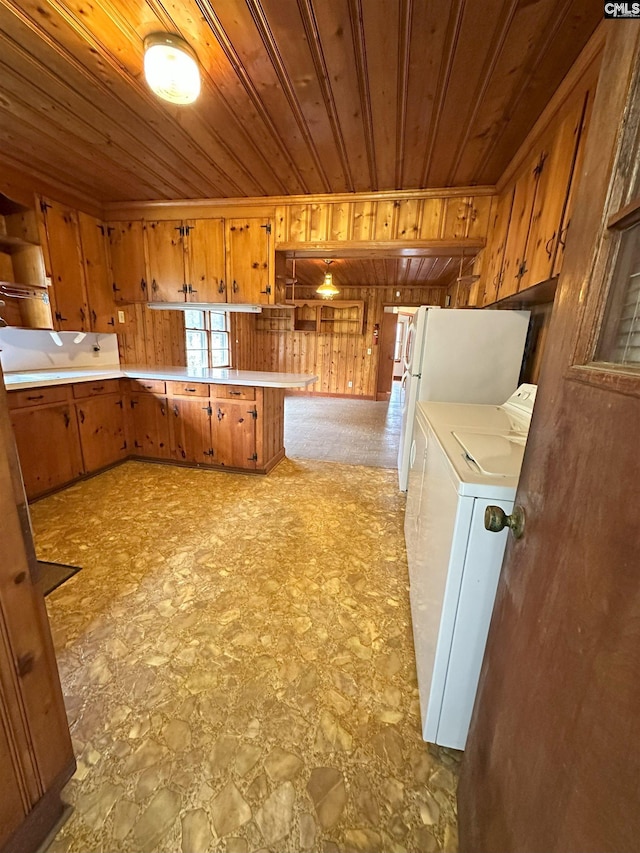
(334, 317)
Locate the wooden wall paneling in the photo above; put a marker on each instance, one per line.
(386, 220)
(364, 213)
(408, 218)
(431, 218)
(341, 221)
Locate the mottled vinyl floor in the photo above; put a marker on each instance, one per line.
(355, 432)
(237, 663)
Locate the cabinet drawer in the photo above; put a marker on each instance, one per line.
(188, 389)
(235, 392)
(153, 386)
(38, 396)
(94, 389)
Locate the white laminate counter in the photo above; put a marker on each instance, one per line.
(15, 381)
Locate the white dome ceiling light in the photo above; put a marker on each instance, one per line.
(171, 68)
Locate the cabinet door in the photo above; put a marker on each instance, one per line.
(102, 307)
(69, 289)
(233, 431)
(190, 430)
(496, 248)
(150, 426)
(551, 197)
(166, 247)
(101, 426)
(573, 182)
(48, 447)
(205, 261)
(516, 245)
(249, 263)
(126, 247)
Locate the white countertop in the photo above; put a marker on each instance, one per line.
(218, 376)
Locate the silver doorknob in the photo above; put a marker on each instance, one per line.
(496, 519)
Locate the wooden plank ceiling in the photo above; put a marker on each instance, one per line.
(299, 96)
(436, 271)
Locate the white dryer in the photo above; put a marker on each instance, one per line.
(464, 457)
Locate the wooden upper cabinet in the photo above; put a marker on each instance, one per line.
(167, 249)
(205, 273)
(100, 295)
(250, 265)
(546, 233)
(524, 199)
(128, 267)
(493, 273)
(67, 269)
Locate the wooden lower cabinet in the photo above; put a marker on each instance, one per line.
(149, 426)
(190, 430)
(102, 433)
(35, 746)
(233, 434)
(65, 432)
(48, 446)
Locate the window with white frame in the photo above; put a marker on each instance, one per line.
(207, 339)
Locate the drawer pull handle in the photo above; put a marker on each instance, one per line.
(81, 415)
(20, 578)
(38, 397)
(98, 388)
(190, 390)
(235, 393)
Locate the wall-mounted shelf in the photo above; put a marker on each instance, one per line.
(335, 317)
(23, 280)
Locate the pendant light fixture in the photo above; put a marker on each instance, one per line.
(171, 68)
(327, 289)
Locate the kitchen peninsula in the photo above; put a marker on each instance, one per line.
(74, 420)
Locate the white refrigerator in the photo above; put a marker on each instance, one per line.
(458, 356)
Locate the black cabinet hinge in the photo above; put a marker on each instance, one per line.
(186, 229)
(208, 452)
(267, 227)
(267, 290)
(253, 458)
(253, 413)
(44, 205)
(540, 165)
(208, 410)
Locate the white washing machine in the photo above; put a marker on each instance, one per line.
(464, 457)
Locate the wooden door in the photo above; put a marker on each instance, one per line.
(206, 276)
(128, 265)
(102, 435)
(190, 430)
(65, 254)
(386, 354)
(32, 714)
(166, 247)
(250, 269)
(150, 426)
(102, 307)
(233, 432)
(553, 757)
(48, 447)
